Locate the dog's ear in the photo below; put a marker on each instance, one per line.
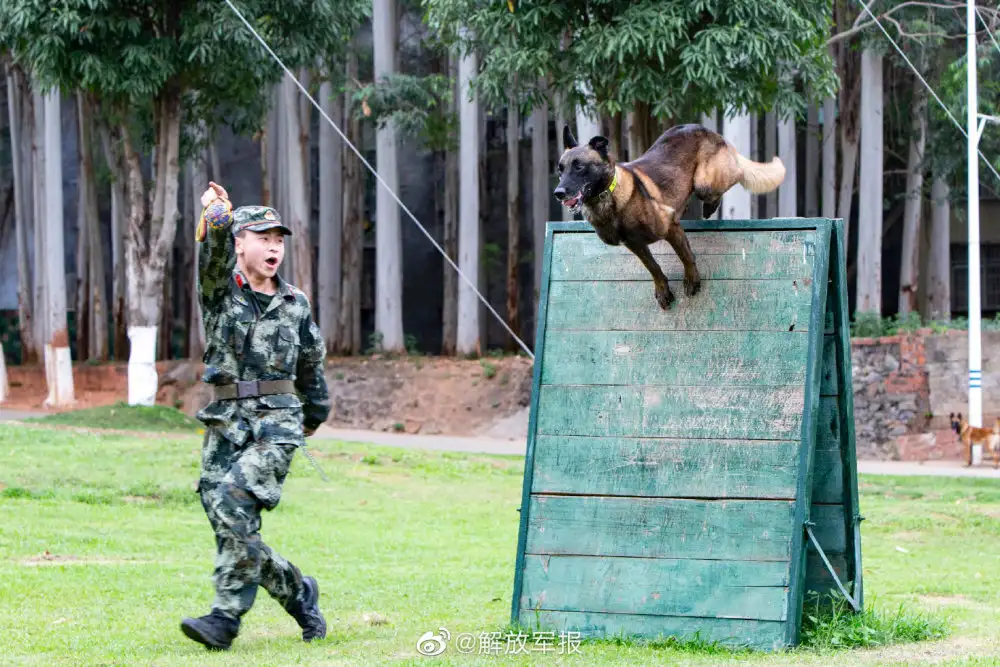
(600, 144)
(951, 416)
(569, 141)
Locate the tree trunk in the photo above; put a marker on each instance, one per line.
(296, 214)
(468, 210)
(449, 315)
(812, 162)
(82, 242)
(21, 131)
(561, 122)
(198, 180)
(513, 216)
(331, 216)
(829, 197)
(788, 204)
(770, 150)
(146, 254)
(305, 128)
(4, 386)
(909, 277)
(939, 269)
(736, 201)
(58, 360)
(541, 189)
(213, 156)
(95, 299)
(388, 233)
(40, 282)
(615, 126)
(353, 235)
(111, 141)
(637, 131)
(588, 125)
(869, 286)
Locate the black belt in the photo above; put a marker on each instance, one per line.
(253, 388)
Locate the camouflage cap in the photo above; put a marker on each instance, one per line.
(257, 219)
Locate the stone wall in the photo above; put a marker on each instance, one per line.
(891, 397)
(905, 388)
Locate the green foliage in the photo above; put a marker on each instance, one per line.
(829, 623)
(127, 54)
(418, 106)
(676, 56)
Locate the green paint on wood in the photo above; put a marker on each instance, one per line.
(660, 528)
(665, 445)
(704, 588)
(771, 413)
(764, 635)
(725, 305)
(665, 468)
(735, 256)
(711, 358)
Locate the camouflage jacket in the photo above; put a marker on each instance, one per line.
(243, 343)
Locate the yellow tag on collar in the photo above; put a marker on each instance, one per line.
(614, 181)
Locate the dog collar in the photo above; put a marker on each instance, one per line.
(614, 181)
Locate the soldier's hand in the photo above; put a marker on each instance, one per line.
(309, 431)
(214, 191)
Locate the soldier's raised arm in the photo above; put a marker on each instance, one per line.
(216, 257)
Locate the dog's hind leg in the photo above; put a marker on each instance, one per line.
(663, 294)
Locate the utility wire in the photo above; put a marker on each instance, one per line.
(361, 157)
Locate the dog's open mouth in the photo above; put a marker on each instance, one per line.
(573, 203)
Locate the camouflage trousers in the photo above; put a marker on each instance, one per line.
(237, 484)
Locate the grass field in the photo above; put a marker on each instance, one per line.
(104, 548)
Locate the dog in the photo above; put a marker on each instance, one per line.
(971, 435)
(640, 202)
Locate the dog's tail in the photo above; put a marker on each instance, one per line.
(760, 177)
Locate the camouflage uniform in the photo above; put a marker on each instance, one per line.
(249, 442)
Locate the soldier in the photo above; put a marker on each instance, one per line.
(263, 353)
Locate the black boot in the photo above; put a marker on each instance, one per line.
(215, 631)
(306, 611)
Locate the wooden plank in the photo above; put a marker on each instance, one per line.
(829, 528)
(828, 478)
(658, 467)
(734, 633)
(733, 243)
(710, 358)
(755, 413)
(722, 305)
(725, 256)
(660, 528)
(704, 588)
(828, 379)
(828, 425)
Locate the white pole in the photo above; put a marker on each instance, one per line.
(975, 343)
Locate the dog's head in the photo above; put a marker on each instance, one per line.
(584, 171)
(956, 422)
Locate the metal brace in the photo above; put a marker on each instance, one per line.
(854, 603)
(305, 450)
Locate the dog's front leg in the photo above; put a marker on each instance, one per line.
(678, 240)
(663, 294)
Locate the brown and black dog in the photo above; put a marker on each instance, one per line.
(640, 202)
(989, 438)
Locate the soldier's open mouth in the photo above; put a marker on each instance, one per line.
(271, 261)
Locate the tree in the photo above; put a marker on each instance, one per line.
(92, 328)
(675, 56)
(331, 214)
(147, 66)
(388, 232)
(869, 289)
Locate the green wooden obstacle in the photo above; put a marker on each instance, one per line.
(683, 465)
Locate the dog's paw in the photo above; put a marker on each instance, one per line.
(664, 297)
(692, 285)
